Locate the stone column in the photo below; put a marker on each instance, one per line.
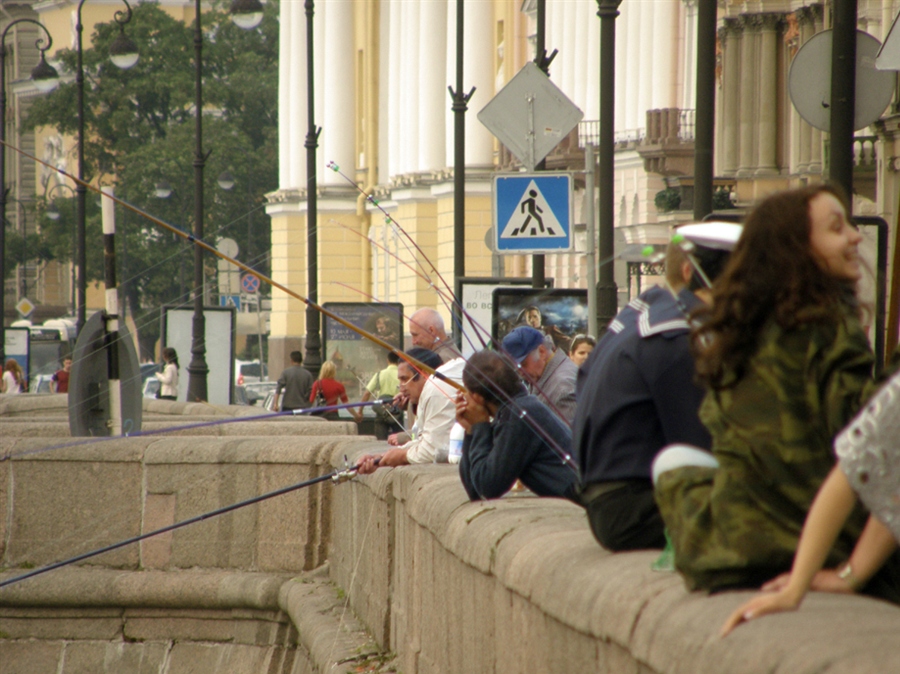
(767, 116)
(660, 51)
(731, 80)
(478, 72)
(338, 139)
(634, 115)
(748, 96)
(689, 69)
(433, 101)
(291, 99)
(408, 85)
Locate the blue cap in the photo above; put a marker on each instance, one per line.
(522, 341)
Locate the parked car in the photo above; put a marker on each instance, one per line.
(40, 383)
(151, 387)
(148, 370)
(249, 371)
(240, 396)
(257, 392)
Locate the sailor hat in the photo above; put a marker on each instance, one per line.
(714, 234)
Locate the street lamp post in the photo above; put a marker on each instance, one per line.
(246, 14)
(52, 213)
(313, 359)
(123, 53)
(45, 78)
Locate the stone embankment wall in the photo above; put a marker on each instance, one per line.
(446, 585)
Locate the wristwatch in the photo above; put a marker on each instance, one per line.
(845, 573)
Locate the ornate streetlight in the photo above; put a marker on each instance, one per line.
(246, 14)
(123, 52)
(45, 78)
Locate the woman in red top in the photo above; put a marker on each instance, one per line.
(332, 389)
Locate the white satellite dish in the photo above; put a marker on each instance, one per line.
(809, 82)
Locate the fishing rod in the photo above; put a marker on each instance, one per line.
(188, 427)
(449, 303)
(337, 477)
(513, 364)
(422, 367)
(240, 265)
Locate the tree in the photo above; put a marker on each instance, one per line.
(139, 126)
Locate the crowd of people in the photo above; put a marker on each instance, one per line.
(709, 417)
(704, 419)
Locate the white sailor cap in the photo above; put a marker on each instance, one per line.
(714, 234)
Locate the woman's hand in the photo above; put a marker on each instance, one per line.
(761, 605)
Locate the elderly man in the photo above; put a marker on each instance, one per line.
(434, 399)
(500, 446)
(636, 394)
(549, 370)
(426, 328)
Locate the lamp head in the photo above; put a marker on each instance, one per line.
(123, 51)
(44, 76)
(163, 190)
(246, 14)
(225, 180)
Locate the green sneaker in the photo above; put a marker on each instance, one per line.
(666, 559)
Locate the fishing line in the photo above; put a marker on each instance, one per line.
(186, 427)
(336, 476)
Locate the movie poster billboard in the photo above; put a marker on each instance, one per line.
(356, 358)
(561, 313)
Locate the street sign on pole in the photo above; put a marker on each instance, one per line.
(230, 301)
(533, 213)
(530, 115)
(250, 283)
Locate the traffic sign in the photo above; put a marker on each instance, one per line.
(533, 213)
(530, 115)
(230, 301)
(250, 283)
(25, 306)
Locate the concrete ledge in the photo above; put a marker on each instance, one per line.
(519, 585)
(195, 589)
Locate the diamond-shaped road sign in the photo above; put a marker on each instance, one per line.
(530, 115)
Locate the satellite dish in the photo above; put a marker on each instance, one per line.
(809, 84)
(89, 404)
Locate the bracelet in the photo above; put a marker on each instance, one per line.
(846, 573)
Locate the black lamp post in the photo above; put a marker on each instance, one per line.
(313, 360)
(123, 53)
(246, 14)
(45, 78)
(52, 213)
(607, 10)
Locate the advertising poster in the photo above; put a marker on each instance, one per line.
(561, 313)
(476, 294)
(356, 358)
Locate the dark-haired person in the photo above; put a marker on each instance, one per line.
(433, 399)
(168, 378)
(500, 447)
(787, 365)
(296, 382)
(637, 394)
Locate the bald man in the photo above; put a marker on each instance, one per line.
(426, 327)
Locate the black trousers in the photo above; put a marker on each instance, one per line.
(626, 517)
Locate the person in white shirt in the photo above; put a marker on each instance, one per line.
(168, 378)
(435, 413)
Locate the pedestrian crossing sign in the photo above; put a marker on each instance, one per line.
(533, 213)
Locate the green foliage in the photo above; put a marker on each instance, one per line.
(140, 130)
(667, 200)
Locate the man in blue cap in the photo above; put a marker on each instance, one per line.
(549, 371)
(636, 393)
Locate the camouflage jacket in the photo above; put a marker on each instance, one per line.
(739, 525)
